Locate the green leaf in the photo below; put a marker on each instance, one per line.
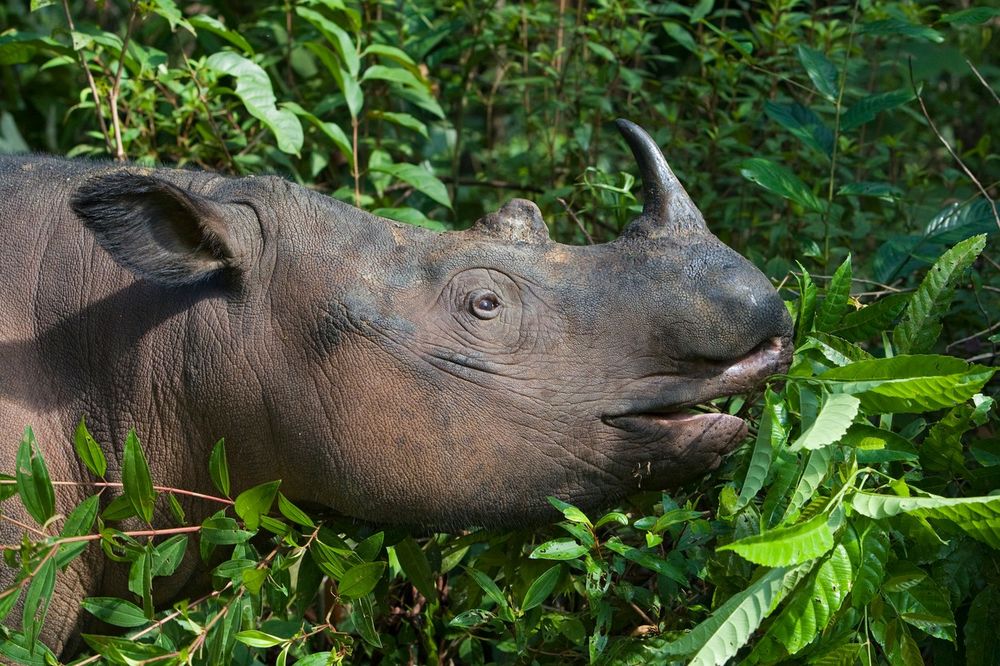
(806, 312)
(419, 178)
(9, 599)
(293, 513)
(363, 616)
(867, 108)
(253, 503)
(253, 579)
(908, 384)
(871, 569)
(925, 606)
(836, 350)
(222, 530)
(414, 564)
(971, 16)
(978, 516)
(488, 586)
(941, 450)
(216, 27)
(167, 556)
(835, 305)
(821, 71)
(337, 37)
(876, 445)
(218, 467)
(403, 120)
(570, 512)
(78, 523)
(814, 603)
(786, 546)
(921, 325)
(771, 435)
(8, 486)
(138, 485)
(871, 319)
(411, 216)
(803, 123)
(883, 191)
(982, 640)
(541, 588)
(559, 549)
(472, 618)
(897, 26)
(816, 469)
(89, 451)
(253, 87)
(647, 560)
(259, 639)
(612, 517)
(835, 416)
(33, 483)
(36, 601)
(117, 612)
(717, 640)
(781, 181)
(361, 579)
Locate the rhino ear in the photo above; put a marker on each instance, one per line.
(157, 230)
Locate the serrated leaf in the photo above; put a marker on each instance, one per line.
(361, 579)
(821, 71)
(925, 606)
(117, 612)
(253, 87)
(218, 467)
(835, 305)
(89, 451)
(33, 483)
(413, 561)
(872, 319)
(836, 415)
(814, 603)
(871, 569)
(942, 450)
(786, 546)
(255, 502)
(898, 26)
(835, 349)
(781, 181)
(867, 108)
(816, 469)
(978, 516)
(770, 436)
(541, 588)
(920, 327)
(419, 178)
(908, 384)
(136, 481)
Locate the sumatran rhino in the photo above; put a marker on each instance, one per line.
(392, 373)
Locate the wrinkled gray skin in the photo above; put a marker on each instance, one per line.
(392, 373)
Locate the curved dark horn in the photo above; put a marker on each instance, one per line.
(666, 205)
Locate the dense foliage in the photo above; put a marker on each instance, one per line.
(846, 148)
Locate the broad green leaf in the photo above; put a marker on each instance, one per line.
(33, 483)
(898, 26)
(673, 518)
(222, 530)
(872, 319)
(259, 639)
(138, 485)
(821, 71)
(717, 640)
(253, 87)
(570, 512)
(36, 601)
(489, 586)
(909, 384)
(816, 469)
(332, 131)
(361, 579)
(218, 467)
(89, 451)
(866, 109)
(369, 549)
(117, 612)
(293, 513)
(168, 10)
(78, 523)
(920, 327)
(900, 648)
(978, 516)
(926, 606)
(771, 435)
(941, 450)
(786, 546)
(167, 555)
(140, 578)
(612, 517)
(883, 191)
(835, 305)
(835, 349)
(346, 82)
(216, 27)
(336, 36)
(8, 486)
(413, 561)
(9, 599)
(253, 503)
(394, 75)
(253, 579)
(781, 181)
(403, 120)
(804, 124)
(814, 603)
(836, 415)
(125, 650)
(392, 53)
(363, 616)
(876, 445)
(971, 16)
(647, 560)
(807, 305)
(559, 549)
(541, 588)
(982, 640)
(871, 568)
(419, 178)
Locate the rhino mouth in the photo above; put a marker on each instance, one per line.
(687, 418)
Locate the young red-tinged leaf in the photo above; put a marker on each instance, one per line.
(541, 588)
(559, 549)
(89, 451)
(136, 480)
(259, 639)
(413, 561)
(253, 503)
(33, 483)
(361, 579)
(218, 467)
(117, 612)
(293, 513)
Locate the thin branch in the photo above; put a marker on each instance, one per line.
(24, 526)
(572, 215)
(982, 80)
(90, 82)
(116, 86)
(118, 484)
(927, 116)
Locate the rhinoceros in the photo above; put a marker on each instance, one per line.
(392, 373)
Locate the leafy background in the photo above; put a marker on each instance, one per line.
(844, 147)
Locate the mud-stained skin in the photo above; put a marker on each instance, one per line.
(389, 372)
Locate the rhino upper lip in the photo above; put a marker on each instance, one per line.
(741, 376)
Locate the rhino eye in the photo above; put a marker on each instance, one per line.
(484, 304)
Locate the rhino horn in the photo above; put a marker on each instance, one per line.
(666, 208)
(517, 221)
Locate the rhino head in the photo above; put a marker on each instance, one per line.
(401, 375)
